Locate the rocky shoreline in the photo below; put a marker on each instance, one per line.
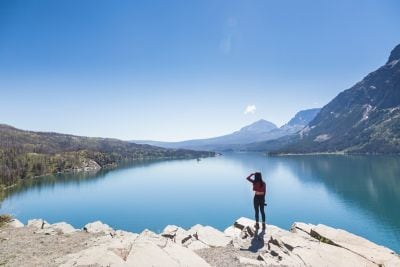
(42, 244)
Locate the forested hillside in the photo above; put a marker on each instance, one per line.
(26, 154)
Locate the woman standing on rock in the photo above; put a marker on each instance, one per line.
(259, 188)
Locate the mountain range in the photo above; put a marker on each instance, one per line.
(258, 131)
(362, 119)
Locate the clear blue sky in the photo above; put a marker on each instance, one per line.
(174, 70)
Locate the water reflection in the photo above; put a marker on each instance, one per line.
(367, 186)
(358, 193)
(70, 178)
(372, 183)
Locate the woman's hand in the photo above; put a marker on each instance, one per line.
(249, 177)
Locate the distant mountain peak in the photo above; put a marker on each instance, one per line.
(259, 126)
(259, 131)
(304, 117)
(395, 54)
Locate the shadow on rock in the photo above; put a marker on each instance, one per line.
(257, 242)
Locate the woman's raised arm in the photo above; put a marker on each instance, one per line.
(249, 178)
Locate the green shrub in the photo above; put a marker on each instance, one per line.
(4, 219)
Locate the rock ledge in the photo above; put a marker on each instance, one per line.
(241, 244)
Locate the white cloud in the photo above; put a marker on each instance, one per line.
(250, 109)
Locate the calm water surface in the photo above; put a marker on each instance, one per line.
(358, 193)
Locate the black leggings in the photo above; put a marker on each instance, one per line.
(259, 201)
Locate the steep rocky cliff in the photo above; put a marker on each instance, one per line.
(362, 119)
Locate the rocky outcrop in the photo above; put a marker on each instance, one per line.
(239, 245)
(303, 245)
(128, 249)
(14, 223)
(89, 165)
(43, 227)
(355, 244)
(38, 223)
(211, 237)
(98, 227)
(62, 228)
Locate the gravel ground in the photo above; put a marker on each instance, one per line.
(229, 256)
(22, 247)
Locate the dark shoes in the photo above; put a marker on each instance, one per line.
(257, 226)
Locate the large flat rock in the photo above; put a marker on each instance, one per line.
(314, 253)
(94, 256)
(232, 231)
(302, 227)
(148, 236)
(106, 250)
(356, 244)
(145, 253)
(196, 245)
(184, 256)
(212, 237)
(151, 255)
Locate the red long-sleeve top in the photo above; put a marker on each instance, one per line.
(258, 187)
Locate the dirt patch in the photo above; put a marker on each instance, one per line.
(226, 256)
(22, 247)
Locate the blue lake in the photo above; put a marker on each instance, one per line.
(358, 193)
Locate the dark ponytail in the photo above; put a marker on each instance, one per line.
(258, 178)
